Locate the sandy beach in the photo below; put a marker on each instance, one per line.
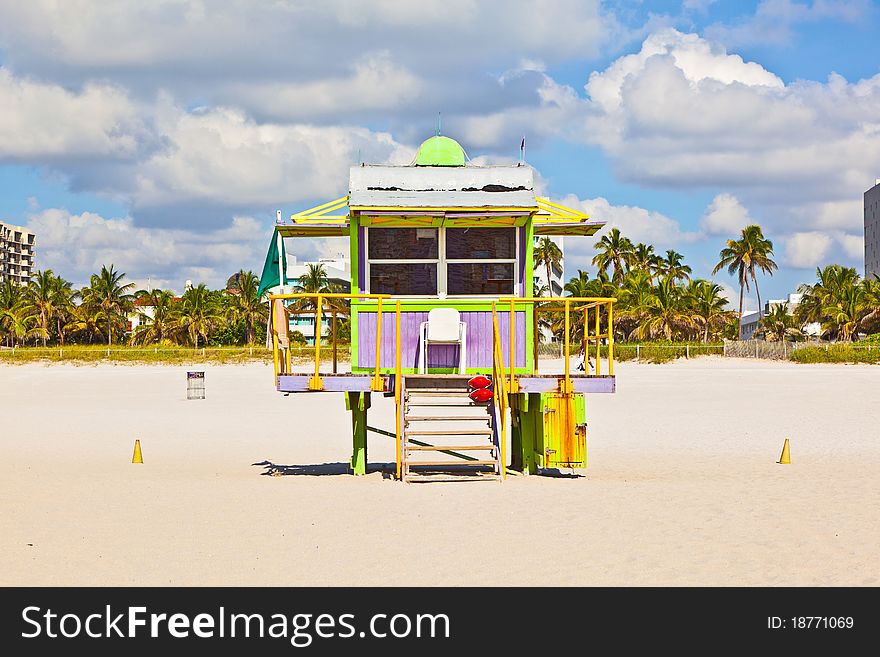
(683, 487)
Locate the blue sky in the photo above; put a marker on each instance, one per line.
(162, 136)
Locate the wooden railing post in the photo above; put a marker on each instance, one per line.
(377, 379)
(398, 383)
(611, 338)
(567, 354)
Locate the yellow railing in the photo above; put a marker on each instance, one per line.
(565, 305)
(501, 392)
(398, 379)
(281, 356)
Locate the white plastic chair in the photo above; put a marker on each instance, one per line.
(444, 326)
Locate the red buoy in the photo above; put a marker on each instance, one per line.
(481, 395)
(480, 381)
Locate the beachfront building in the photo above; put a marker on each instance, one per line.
(556, 284)
(16, 254)
(751, 320)
(443, 318)
(338, 272)
(872, 230)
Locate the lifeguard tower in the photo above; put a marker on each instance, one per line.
(443, 317)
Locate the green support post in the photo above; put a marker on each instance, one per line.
(358, 403)
(525, 412)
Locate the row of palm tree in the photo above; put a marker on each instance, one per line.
(50, 309)
(621, 256)
(658, 299)
(656, 296)
(841, 302)
(663, 308)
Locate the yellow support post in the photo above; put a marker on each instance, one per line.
(512, 337)
(598, 342)
(567, 354)
(398, 381)
(586, 340)
(610, 338)
(315, 382)
(377, 379)
(274, 343)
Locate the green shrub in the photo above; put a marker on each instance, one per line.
(835, 354)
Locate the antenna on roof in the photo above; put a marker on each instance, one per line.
(439, 123)
(359, 157)
(522, 150)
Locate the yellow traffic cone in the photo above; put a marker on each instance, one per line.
(786, 453)
(137, 457)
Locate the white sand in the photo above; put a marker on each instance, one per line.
(682, 488)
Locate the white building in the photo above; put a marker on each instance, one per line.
(338, 271)
(872, 230)
(556, 284)
(16, 254)
(750, 320)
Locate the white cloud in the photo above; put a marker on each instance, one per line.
(807, 249)
(638, 224)
(46, 121)
(373, 83)
(684, 113)
(774, 20)
(77, 245)
(852, 245)
(221, 156)
(725, 216)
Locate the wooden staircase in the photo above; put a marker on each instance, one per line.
(445, 433)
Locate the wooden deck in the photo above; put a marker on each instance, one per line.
(361, 383)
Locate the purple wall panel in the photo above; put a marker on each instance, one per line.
(362, 261)
(479, 340)
(522, 289)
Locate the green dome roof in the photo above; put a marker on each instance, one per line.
(440, 152)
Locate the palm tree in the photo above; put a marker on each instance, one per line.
(579, 286)
(871, 320)
(672, 266)
(743, 257)
(158, 325)
(17, 316)
(107, 292)
(846, 311)
(246, 305)
(314, 281)
(41, 294)
(707, 306)
(635, 296)
(548, 254)
(778, 324)
(644, 259)
(65, 297)
(821, 301)
(665, 314)
(615, 251)
(86, 319)
(197, 314)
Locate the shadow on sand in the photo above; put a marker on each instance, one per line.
(320, 469)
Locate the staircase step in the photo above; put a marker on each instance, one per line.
(451, 448)
(450, 432)
(447, 464)
(437, 392)
(439, 418)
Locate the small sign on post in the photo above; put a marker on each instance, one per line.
(195, 385)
